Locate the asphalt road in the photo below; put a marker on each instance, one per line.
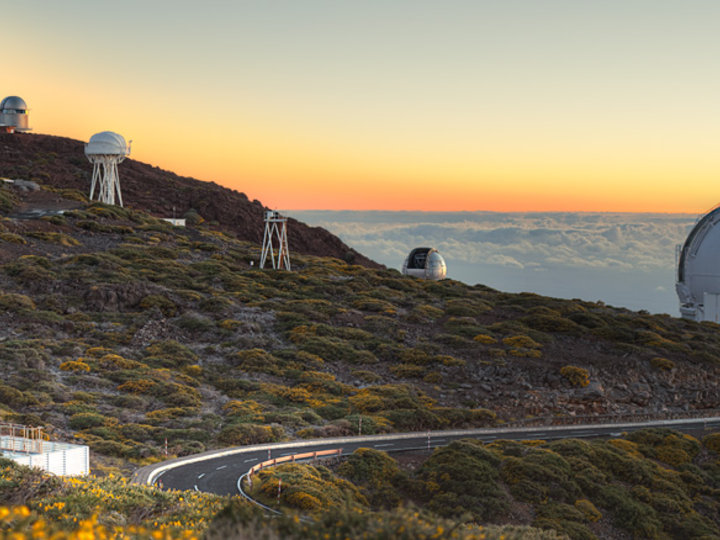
(219, 474)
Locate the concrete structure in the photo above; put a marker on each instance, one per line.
(27, 446)
(105, 150)
(275, 242)
(698, 270)
(425, 263)
(13, 115)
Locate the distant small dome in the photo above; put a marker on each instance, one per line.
(426, 263)
(13, 103)
(107, 143)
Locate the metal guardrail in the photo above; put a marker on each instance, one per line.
(543, 421)
(21, 439)
(150, 473)
(321, 454)
(295, 457)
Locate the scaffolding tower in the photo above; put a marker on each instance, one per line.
(275, 242)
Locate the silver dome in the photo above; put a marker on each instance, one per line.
(425, 263)
(107, 143)
(698, 273)
(13, 103)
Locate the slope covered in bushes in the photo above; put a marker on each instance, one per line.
(650, 484)
(124, 331)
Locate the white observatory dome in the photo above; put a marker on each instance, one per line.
(107, 143)
(425, 263)
(13, 104)
(698, 275)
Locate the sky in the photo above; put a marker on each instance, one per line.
(460, 105)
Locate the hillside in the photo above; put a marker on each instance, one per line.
(122, 331)
(61, 163)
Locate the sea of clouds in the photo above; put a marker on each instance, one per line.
(622, 259)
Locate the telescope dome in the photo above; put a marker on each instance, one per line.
(425, 263)
(13, 104)
(107, 143)
(698, 273)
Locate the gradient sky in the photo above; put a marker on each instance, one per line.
(513, 105)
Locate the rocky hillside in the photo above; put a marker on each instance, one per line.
(61, 163)
(122, 331)
(111, 313)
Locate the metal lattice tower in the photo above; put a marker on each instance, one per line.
(275, 242)
(105, 150)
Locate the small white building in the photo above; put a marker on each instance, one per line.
(26, 446)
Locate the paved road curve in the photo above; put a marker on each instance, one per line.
(218, 471)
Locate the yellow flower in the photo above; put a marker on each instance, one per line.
(21, 511)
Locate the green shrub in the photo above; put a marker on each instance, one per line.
(86, 420)
(16, 302)
(521, 341)
(662, 363)
(173, 353)
(485, 339)
(551, 323)
(576, 375)
(712, 442)
(244, 434)
(163, 303)
(463, 477)
(75, 366)
(588, 510)
(12, 238)
(407, 371)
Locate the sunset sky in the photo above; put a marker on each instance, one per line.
(513, 105)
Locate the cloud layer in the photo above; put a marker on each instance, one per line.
(605, 256)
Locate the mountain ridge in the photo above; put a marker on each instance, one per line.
(60, 162)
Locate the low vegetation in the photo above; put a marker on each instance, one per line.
(123, 332)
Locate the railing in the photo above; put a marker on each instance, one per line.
(335, 452)
(22, 439)
(608, 418)
(295, 457)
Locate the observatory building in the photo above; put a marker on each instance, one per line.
(105, 150)
(425, 263)
(698, 272)
(13, 115)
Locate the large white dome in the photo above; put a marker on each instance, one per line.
(698, 277)
(425, 263)
(107, 143)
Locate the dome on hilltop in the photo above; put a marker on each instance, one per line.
(13, 104)
(425, 263)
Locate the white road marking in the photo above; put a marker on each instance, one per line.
(381, 445)
(196, 488)
(221, 467)
(249, 460)
(200, 476)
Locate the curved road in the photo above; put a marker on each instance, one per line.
(218, 471)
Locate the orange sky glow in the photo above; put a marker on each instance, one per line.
(414, 106)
